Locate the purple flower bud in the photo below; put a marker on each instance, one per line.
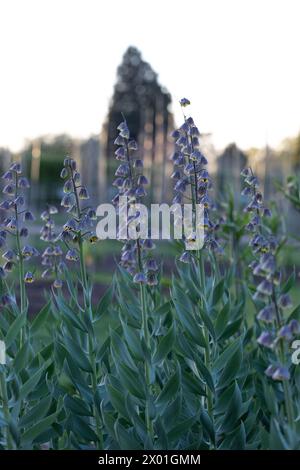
(246, 172)
(175, 134)
(68, 186)
(285, 301)
(142, 180)
(138, 163)
(195, 131)
(267, 314)
(176, 175)
(281, 373)
(294, 326)
(28, 215)
(19, 201)
(285, 333)
(140, 192)
(8, 266)
(29, 278)
(23, 183)
(265, 287)
(57, 284)
(27, 251)
(184, 102)
(139, 278)
(270, 370)
(185, 257)
(132, 145)
(180, 186)
(9, 190)
(72, 255)
(83, 193)
(8, 176)
(246, 191)
(148, 244)
(77, 177)
(265, 339)
(188, 169)
(151, 265)
(67, 201)
(119, 141)
(152, 279)
(121, 154)
(184, 127)
(182, 141)
(8, 255)
(24, 232)
(128, 257)
(122, 170)
(268, 263)
(5, 205)
(17, 167)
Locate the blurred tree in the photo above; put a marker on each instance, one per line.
(144, 103)
(229, 166)
(50, 153)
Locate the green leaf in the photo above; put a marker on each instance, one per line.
(78, 355)
(76, 406)
(36, 413)
(70, 316)
(117, 400)
(165, 346)
(40, 319)
(225, 356)
(218, 292)
(188, 322)
(22, 358)
(289, 283)
(169, 391)
(125, 438)
(231, 368)
(41, 426)
(15, 328)
(222, 319)
(31, 383)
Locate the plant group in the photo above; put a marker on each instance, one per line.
(206, 364)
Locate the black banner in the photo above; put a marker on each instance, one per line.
(136, 459)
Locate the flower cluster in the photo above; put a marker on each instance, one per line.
(264, 247)
(52, 255)
(192, 180)
(80, 225)
(131, 182)
(14, 223)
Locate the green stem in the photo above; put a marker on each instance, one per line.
(147, 364)
(3, 390)
(206, 336)
(286, 386)
(207, 364)
(88, 309)
(21, 268)
(146, 335)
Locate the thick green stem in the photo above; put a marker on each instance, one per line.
(88, 310)
(209, 400)
(286, 386)
(207, 364)
(146, 336)
(147, 364)
(3, 390)
(21, 271)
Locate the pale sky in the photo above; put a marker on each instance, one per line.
(236, 60)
